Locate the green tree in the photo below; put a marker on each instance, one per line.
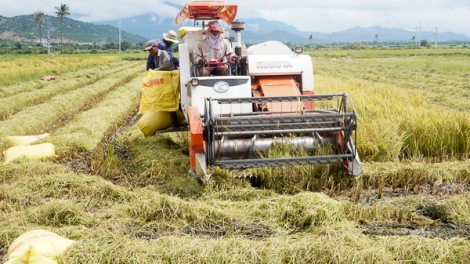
(62, 11)
(413, 39)
(424, 43)
(39, 18)
(126, 45)
(376, 37)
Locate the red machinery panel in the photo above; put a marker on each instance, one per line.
(208, 10)
(280, 86)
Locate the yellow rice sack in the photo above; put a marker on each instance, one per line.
(14, 141)
(150, 122)
(160, 91)
(38, 152)
(37, 247)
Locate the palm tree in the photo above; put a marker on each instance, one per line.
(62, 11)
(39, 18)
(376, 37)
(413, 39)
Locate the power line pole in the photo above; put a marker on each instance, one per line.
(120, 32)
(362, 37)
(419, 44)
(435, 40)
(416, 33)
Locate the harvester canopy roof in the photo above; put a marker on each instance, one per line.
(207, 10)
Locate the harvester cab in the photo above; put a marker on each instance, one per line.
(267, 100)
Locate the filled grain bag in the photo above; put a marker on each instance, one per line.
(160, 91)
(150, 122)
(37, 247)
(37, 152)
(14, 141)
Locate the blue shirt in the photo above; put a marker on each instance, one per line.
(162, 46)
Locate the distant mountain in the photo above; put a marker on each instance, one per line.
(23, 28)
(259, 30)
(263, 26)
(283, 36)
(389, 35)
(150, 26)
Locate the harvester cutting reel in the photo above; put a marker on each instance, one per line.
(230, 137)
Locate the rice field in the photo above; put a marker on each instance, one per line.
(127, 199)
(32, 67)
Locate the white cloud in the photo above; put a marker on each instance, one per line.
(306, 15)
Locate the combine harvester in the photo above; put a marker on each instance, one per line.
(268, 100)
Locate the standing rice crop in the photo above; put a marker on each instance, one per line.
(395, 123)
(21, 69)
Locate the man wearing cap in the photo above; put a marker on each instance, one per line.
(213, 50)
(165, 44)
(160, 58)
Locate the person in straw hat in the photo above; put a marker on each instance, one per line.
(213, 50)
(165, 44)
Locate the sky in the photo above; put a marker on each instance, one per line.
(305, 15)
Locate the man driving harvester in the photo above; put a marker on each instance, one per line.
(213, 50)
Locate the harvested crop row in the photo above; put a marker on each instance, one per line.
(33, 85)
(409, 177)
(47, 116)
(15, 103)
(115, 225)
(23, 69)
(306, 211)
(326, 245)
(301, 212)
(89, 128)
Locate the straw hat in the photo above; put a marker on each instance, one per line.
(171, 36)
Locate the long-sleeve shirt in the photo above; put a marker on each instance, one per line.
(163, 46)
(162, 62)
(204, 51)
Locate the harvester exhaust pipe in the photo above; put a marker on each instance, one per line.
(237, 27)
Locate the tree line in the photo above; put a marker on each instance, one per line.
(21, 47)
